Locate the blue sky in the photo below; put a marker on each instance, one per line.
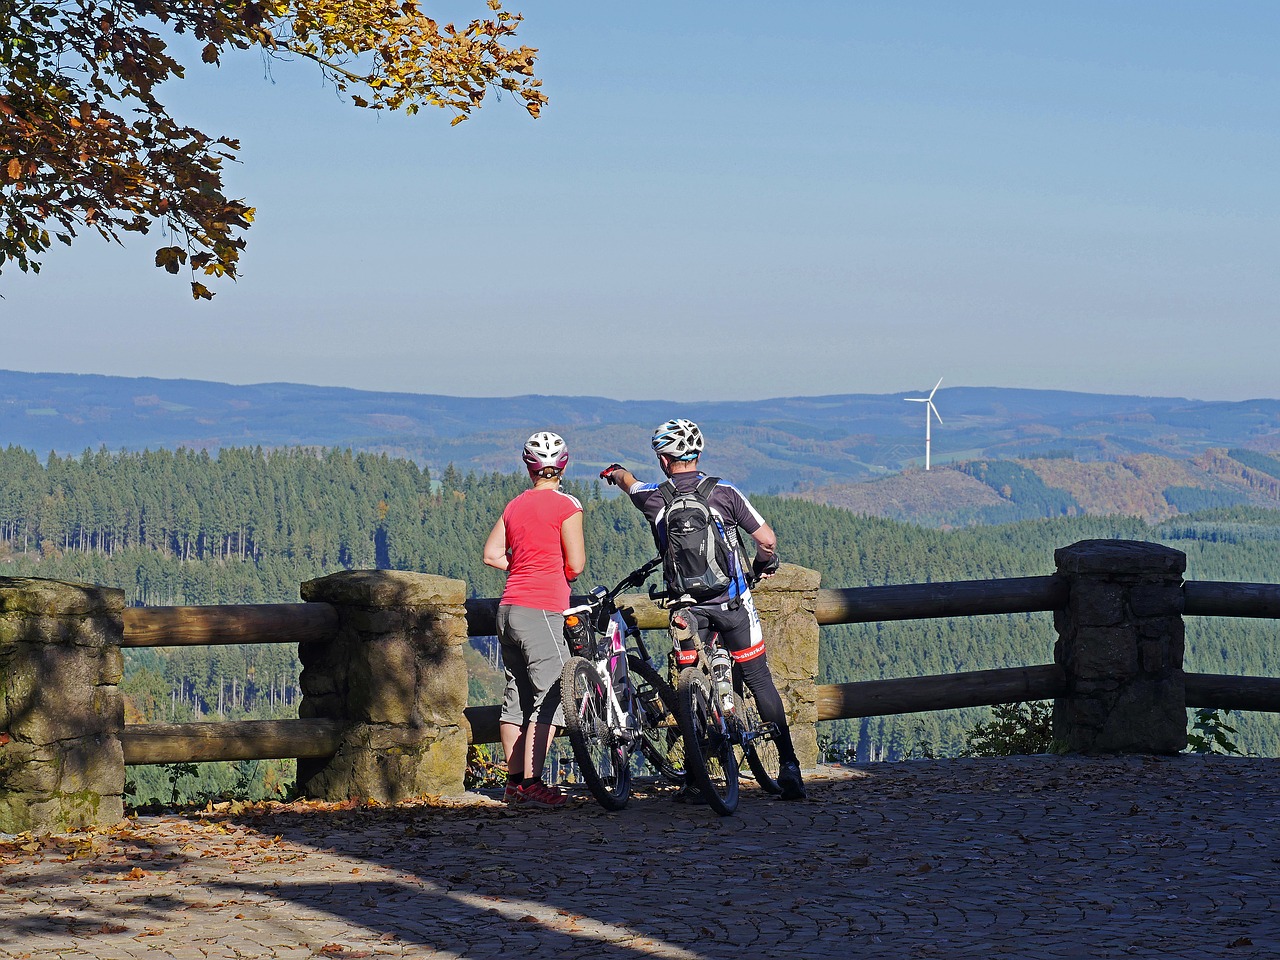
(735, 201)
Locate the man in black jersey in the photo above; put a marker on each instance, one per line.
(678, 444)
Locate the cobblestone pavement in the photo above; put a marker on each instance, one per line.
(1030, 857)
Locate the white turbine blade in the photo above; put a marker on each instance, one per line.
(916, 399)
(935, 388)
(935, 412)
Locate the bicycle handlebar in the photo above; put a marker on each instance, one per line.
(659, 594)
(635, 578)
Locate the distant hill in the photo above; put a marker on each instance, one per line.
(984, 491)
(778, 444)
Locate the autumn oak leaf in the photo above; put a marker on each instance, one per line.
(171, 258)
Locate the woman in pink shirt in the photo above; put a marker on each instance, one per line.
(538, 542)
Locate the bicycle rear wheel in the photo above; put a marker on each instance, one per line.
(603, 759)
(758, 746)
(711, 763)
(660, 741)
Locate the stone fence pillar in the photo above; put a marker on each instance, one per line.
(395, 680)
(61, 712)
(786, 603)
(1120, 642)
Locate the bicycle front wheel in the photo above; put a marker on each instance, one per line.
(660, 741)
(758, 746)
(711, 763)
(603, 759)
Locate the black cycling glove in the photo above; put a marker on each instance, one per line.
(763, 568)
(607, 473)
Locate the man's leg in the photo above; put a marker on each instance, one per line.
(742, 636)
(756, 675)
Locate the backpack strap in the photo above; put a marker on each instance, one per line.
(668, 490)
(737, 558)
(705, 486)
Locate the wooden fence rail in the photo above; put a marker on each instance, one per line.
(976, 688)
(228, 740)
(1220, 598)
(247, 623)
(923, 601)
(1224, 692)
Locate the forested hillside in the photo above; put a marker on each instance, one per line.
(248, 526)
(1152, 487)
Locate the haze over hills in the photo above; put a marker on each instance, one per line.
(783, 444)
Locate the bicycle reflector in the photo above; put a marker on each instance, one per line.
(576, 633)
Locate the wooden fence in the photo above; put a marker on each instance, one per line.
(316, 622)
(384, 716)
(292, 623)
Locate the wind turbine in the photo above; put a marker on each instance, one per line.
(928, 408)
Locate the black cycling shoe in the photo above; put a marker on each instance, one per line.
(790, 783)
(689, 794)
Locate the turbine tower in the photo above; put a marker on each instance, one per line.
(928, 408)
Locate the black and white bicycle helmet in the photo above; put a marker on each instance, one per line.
(544, 451)
(680, 439)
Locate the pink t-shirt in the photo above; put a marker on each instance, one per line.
(535, 576)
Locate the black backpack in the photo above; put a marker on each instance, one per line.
(698, 559)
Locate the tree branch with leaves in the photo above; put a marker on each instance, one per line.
(86, 144)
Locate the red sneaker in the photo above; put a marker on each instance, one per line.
(538, 794)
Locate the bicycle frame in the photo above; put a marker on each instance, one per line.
(605, 721)
(723, 713)
(609, 658)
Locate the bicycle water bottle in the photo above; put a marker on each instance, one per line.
(722, 676)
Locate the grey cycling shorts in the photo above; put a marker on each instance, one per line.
(533, 652)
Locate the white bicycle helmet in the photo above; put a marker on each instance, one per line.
(678, 438)
(544, 451)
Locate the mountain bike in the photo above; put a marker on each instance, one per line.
(719, 720)
(620, 714)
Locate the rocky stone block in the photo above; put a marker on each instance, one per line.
(1111, 652)
(389, 764)
(385, 588)
(1102, 605)
(1126, 559)
(1157, 599)
(442, 688)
